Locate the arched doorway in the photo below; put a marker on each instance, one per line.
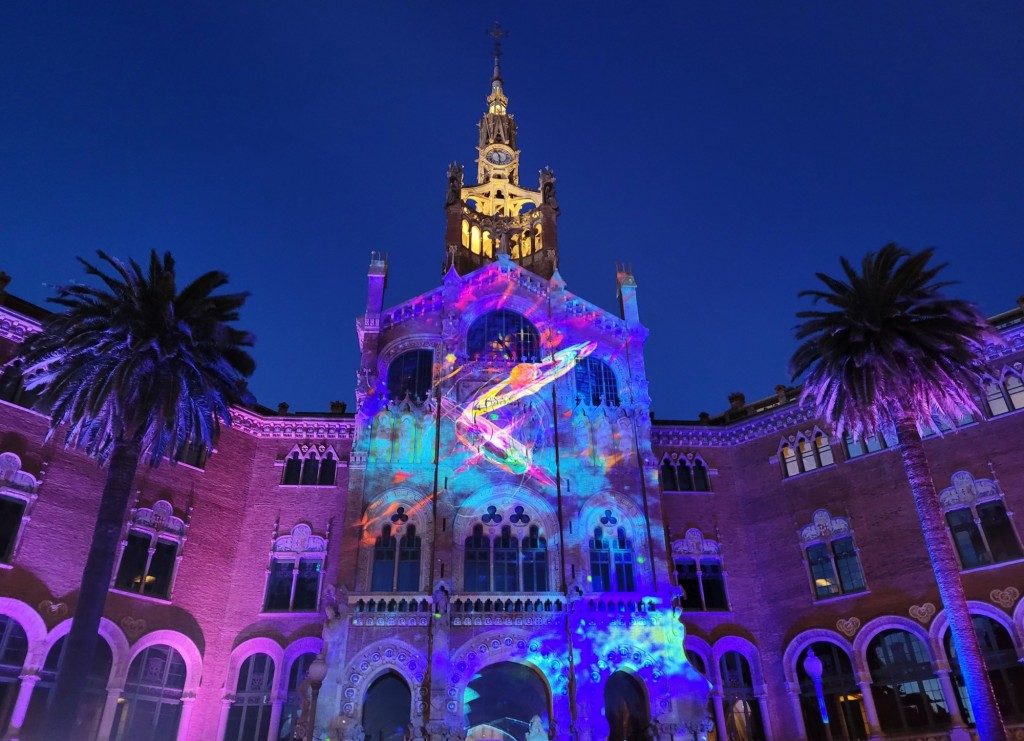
(503, 699)
(843, 699)
(626, 708)
(387, 709)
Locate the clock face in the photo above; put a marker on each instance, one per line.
(499, 157)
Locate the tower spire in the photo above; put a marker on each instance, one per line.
(498, 33)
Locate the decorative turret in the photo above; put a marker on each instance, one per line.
(497, 214)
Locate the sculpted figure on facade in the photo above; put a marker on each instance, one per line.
(454, 184)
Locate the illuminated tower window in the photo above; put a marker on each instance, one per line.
(503, 335)
(596, 383)
(411, 373)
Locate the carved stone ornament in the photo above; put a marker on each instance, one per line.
(922, 613)
(824, 526)
(966, 489)
(848, 626)
(133, 627)
(1005, 598)
(52, 612)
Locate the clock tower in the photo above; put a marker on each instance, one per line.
(496, 215)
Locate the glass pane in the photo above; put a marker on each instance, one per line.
(851, 578)
(686, 573)
(133, 563)
(161, 569)
(713, 581)
(966, 538)
(1002, 540)
(279, 585)
(823, 574)
(411, 373)
(307, 585)
(11, 511)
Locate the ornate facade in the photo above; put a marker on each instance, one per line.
(500, 542)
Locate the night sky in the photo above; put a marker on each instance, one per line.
(727, 150)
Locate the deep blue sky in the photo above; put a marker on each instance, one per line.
(727, 150)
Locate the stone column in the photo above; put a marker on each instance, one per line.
(225, 709)
(959, 730)
(109, 712)
(766, 719)
(28, 683)
(720, 728)
(874, 729)
(276, 706)
(188, 703)
(793, 689)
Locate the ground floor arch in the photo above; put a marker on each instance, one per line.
(626, 707)
(387, 708)
(507, 701)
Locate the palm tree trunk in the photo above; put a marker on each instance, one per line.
(947, 576)
(80, 645)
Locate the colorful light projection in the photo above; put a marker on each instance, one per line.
(478, 426)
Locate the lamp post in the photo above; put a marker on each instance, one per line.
(316, 675)
(814, 669)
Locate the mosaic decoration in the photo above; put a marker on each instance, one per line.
(922, 613)
(1005, 597)
(848, 626)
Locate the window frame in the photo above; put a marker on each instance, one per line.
(297, 547)
(309, 460)
(805, 452)
(967, 494)
(160, 526)
(18, 486)
(822, 535)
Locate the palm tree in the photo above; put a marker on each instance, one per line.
(133, 371)
(891, 352)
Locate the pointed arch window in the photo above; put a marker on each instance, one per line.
(979, 522)
(833, 561)
(295, 571)
(507, 563)
(1005, 396)
(808, 452)
(396, 561)
(504, 336)
(151, 551)
(478, 561)
(310, 465)
(612, 561)
(535, 562)
(412, 374)
(596, 383)
(684, 473)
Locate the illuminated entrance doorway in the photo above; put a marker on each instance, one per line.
(626, 708)
(503, 699)
(387, 709)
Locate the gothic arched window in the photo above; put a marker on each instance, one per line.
(506, 561)
(389, 551)
(310, 465)
(503, 335)
(596, 383)
(809, 452)
(411, 373)
(478, 561)
(535, 562)
(612, 562)
(978, 521)
(296, 569)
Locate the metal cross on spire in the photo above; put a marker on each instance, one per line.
(498, 33)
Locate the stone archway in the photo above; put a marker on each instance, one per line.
(387, 708)
(626, 707)
(503, 700)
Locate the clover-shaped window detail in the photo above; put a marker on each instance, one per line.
(492, 517)
(608, 518)
(400, 515)
(519, 517)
